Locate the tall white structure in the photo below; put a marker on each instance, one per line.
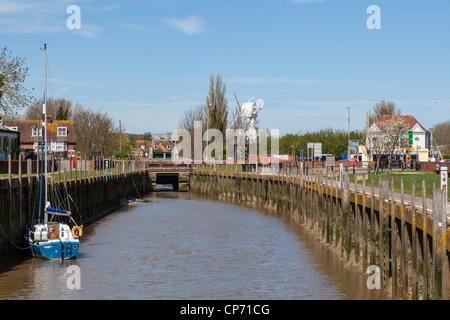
(247, 118)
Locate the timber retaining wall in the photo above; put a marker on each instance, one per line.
(91, 198)
(367, 225)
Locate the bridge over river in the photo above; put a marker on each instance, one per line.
(169, 173)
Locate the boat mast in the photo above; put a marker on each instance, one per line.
(44, 122)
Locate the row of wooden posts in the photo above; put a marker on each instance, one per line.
(405, 240)
(81, 168)
(93, 194)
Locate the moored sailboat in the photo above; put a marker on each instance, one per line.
(47, 238)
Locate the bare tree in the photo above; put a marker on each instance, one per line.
(188, 119)
(190, 116)
(216, 108)
(13, 95)
(95, 131)
(59, 109)
(383, 108)
(441, 133)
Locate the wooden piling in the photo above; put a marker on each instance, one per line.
(371, 229)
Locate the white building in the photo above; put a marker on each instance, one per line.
(415, 141)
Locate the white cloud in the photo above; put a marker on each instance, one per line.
(37, 17)
(71, 83)
(190, 25)
(14, 7)
(90, 31)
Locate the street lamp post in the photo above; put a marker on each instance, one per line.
(438, 101)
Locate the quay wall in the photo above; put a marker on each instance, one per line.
(368, 226)
(93, 195)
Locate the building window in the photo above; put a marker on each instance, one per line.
(62, 132)
(35, 131)
(168, 147)
(59, 146)
(38, 146)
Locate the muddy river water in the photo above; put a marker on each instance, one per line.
(181, 246)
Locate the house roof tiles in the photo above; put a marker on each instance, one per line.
(26, 128)
(411, 122)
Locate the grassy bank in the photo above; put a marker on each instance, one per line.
(430, 179)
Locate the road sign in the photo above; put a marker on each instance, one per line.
(331, 160)
(353, 143)
(353, 146)
(317, 148)
(406, 138)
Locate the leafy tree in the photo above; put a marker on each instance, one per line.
(126, 147)
(332, 141)
(13, 94)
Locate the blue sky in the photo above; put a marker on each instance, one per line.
(145, 61)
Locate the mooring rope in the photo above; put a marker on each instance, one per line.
(135, 187)
(7, 238)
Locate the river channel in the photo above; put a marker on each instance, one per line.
(181, 246)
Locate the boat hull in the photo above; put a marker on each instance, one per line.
(55, 249)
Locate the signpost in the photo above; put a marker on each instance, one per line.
(353, 147)
(444, 182)
(331, 160)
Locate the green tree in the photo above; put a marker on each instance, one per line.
(13, 95)
(124, 149)
(332, 141)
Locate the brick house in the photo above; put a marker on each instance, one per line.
(162, 149)
(61, 136)
(143, 149)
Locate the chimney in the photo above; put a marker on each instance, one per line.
(48, 121)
